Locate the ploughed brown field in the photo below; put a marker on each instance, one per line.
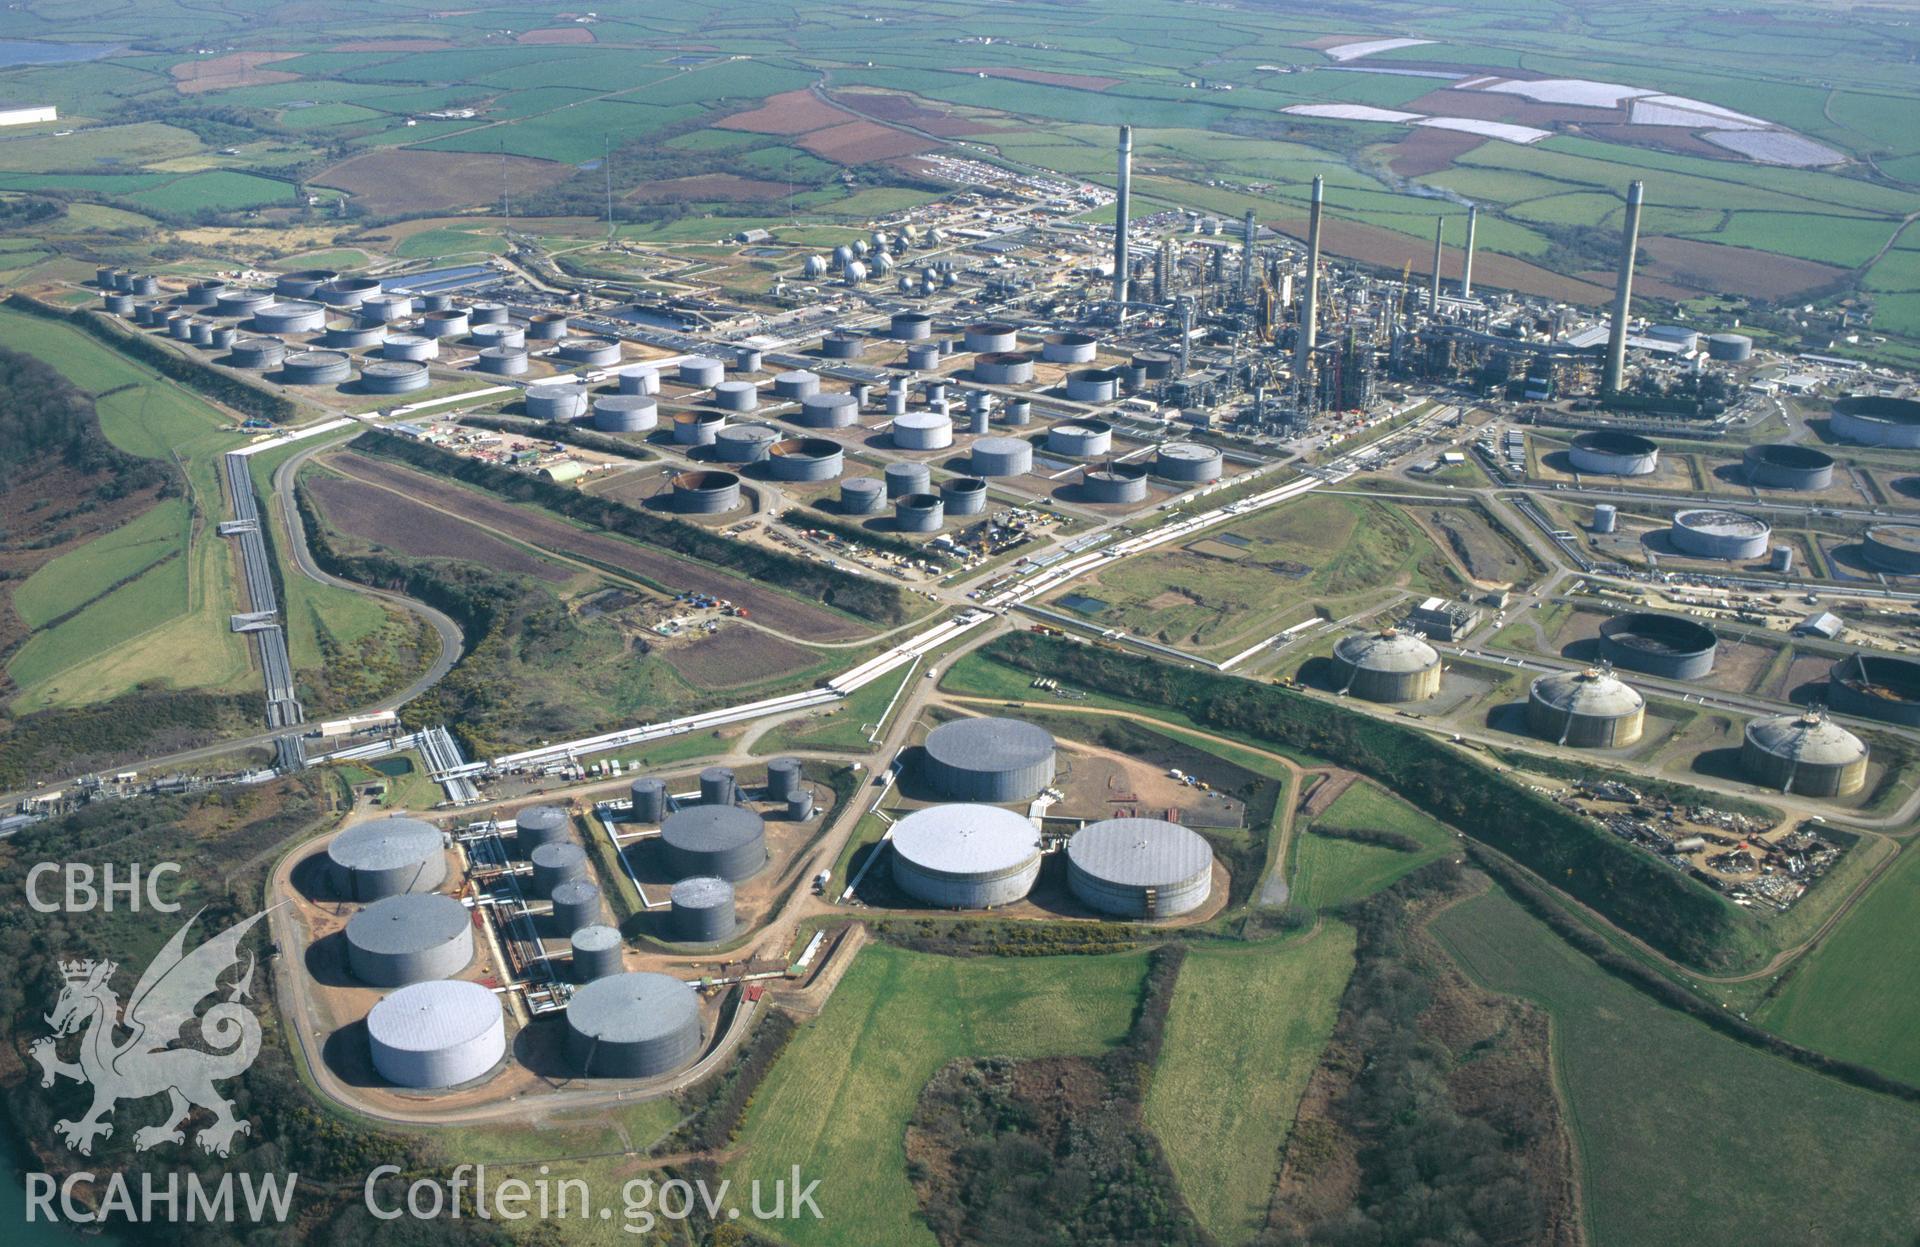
(1383, 248)
(736, 656)
(383, 518)
(406, 179)
(1081, 82)
(1710, 267)
(709, 187)
(236, 69)
(791, 112)
(859, 142)
(906, 110)
(557, 34)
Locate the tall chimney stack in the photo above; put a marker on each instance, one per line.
(1616, 375)
(1310, 301)
(1466, 265)
(1249, 230)
(1433, 296)
(1120, 223)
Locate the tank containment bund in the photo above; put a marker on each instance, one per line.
(632, 1026)
(409, 938)
(725, 840)
(435, 1035)
(702, 910)
(386, 857)
(595, 951)
(965, 856)
(1139, 868)
(989, 759)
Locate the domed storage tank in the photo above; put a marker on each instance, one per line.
(558, 403)
(1876, 687)
(965, 856)
(1609, 453)
(434, 1035)
(1893, 548)
(353, 337)
(1808, 755)
(862, 495)
(1588, 709)
(257, 353)
(1708, 533)
(304, 284)
(1388, 666)
(409, 347)
(1729, 348)
(593, 352)
(502, 361)
(576, 904)
(1189, 463)
(497, 335)
(990, 337)
(725, 840)
(1670, 646)
(702, 372)
(719, 786)
(1115, 483)
(1069, 347)
(783, 778)
(290, 318)
(827, 411)
(1081, 439)
(744, 443)
(1093, 385)
(649, 796)
(639, 380)
(989, 759)
(625, 413)
(393, 376)
(1139, 868)
(1002, 456)
(923, 430)
(963, 495)
(1780, 466)
(805, 459)
(1877, 420)
(705, 493)
(595, 951)
(632, 1026)
(910, 327)
(409, 939)
(541, 824)
(1004, 368)
(315, 368)
(697, 428)
(906, 478)
(386, 857)
(348, 291)
(702, 910)
(555, 864)
(796, 384)
(919, 513)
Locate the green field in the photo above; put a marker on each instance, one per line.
(1684, 1135)
(79, 576)
(221, 190)
(1244, 1035)
(142, 143)
(837, 1102)
(843, 726)
(1329, 871)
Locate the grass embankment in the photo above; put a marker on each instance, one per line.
(1333, 867)
(844, 726)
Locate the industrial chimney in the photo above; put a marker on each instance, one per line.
(1249, 231)
(1120, 223)
(1466, 265)
(1616, 375)
(1433, 296)
(1310, 301)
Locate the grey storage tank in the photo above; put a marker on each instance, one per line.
(910, 327)
(1190, 463)
(842, 344)
(559, 403)
(736, 395)
(354, 336)
(593, 352)
(1876, 687)
(796, 384)
(989, 337)
(487, 314)
(639, 380)
(1783, 466)
(862, 495)
(290, 318)
(409, 938)
(783, 778)
(429, 1036)
(555, 864)
(497, 335)
(1069, 347)
(705, 492)
(923, 356)
(702, 910)
(632, 1026)
(805, 459)
(1807, 754)
(1093, 385)
(719, 786)
(649, 800)
(386, 307)
(725, 840)
(595, 953)
(503, 361)
(702, 372)
(240, 301)
(1004, 368)
(906, 478)
(827, 411)
(744, 443)
(409, 347)
(1115, 483)
(315, 368)
(541, 824)
(547, 326)
(1893, 548)
(965, 856)
(451, 323)
(923, 430)
(1386, 666)
(1139, 868)
(1590, 709)
(1670, 646)
(1877, 420)
(625, 413)
(918, 513)
(223, 337)
(1606, 518)
(989, 759)
(386, 857)
(1082, 439)
(257, 353)
(576, 904)
(1607, 452)
(304, 284)
(348, 291)
(1709, 533)
(746, 359)
(1001, 456)
(1729, 348)
(963, 495)
(393, 376)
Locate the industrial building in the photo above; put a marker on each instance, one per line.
(1386, 666)
(1139, 868)
(1806, 754)
(1779, 465)
(725, 841)
(1670, 646)
(1611, 453)
(1876, 686)
(437, 1034)
(1590, 709)
(989, 759)
(409, 938)
(965, 856)
(701, 910)
(386, 857)
(632, 1026)
(1709, 533)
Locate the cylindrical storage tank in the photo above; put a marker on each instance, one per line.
(576, 904)
(555, 864)
(736, 395)
(1081, 439)
(315, 368)
(409, 348)
(304, 284)
(150, 314)
(1588, 709)
(348, 291)
(910, 327)
(977, 420)
(201, 333)
(541, 824)
(896, 402)
(1156, 365)
(1729, 348)
(841, 345)
(145, 284)
(701, 372)
(223, 337)
(487, 314)
(1877, 420)
(437, 301)
(1782, 466)
(827, 411)
(103, 278)
(705, 493)
(409, 939)
(640, 380)
(632, 1026)
(783, 778)
(1386, 666)
(989, 759)
(796, 383)
(386, 857)
(729, 841)
(116, 303)
(241, 301)
(719, 786)
(354, 337)
(800, 806)
(1069, 347)
(744, 443)
(451, 323)
(907, 478)
(485, 336)
(430, 1036)
(207, 293)
(503, 361)
(862, 495)
(1876, 687)
(1018, 412)
(805, 459)
(386, 308)
(1115, 483)
(965, 856)
(547, 326)
(1139, 868)
(1893, 548)
(625, 413)
(394, 376)
(649, 800)
(924, 357)
(593, 352)
(1781, 559)
(1807, 755)
(746, 359)
(923, 430)
(257, 353)
(963, 495)
(1606, 518)
(595, 951)
(290, 318)
(565, 401)
(1679, 335)
(919, 513)
(990, 337)
(1671, 646)
(1190, 463)
(1093, 385)
(1001, 456)
(180, 326)
(1004, 368)
(123, 280)
(1609, 453)
(697, 428)
(702, 910)
(1712, 534)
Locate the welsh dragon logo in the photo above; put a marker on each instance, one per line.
(146, 1063)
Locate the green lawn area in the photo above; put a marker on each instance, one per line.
(1854, 997)
(837, 1102)
(843, 726)
(434, 243)
(1331, 871)
(1684, 1135)
(219, 190)
(1245, 1032)
(129, 146)
(81, 575)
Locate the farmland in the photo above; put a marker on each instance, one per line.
(1332, 869)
